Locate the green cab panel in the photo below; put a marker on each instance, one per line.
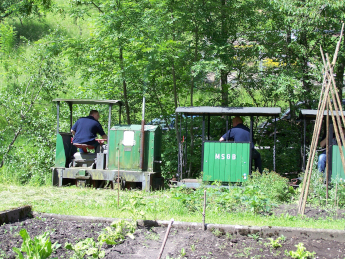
(126, 140)
(226, 161)
(337, 166)
(64, 149)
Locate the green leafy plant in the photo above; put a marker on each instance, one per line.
(192, 247)
(216, 232)
(117, 232)
(85, 247)
(301, 252)
(276, 243)
(111, 235)
(254, 236)
(183, 252)
(255, 200)
(135, 208)
(152, 235)
(40, 247)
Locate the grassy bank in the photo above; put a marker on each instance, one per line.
(159, 205)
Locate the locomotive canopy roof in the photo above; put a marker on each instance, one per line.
(88, 101)
(249, 111)
(311, 114)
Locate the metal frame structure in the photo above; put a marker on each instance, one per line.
(228, 111)
(70, 103)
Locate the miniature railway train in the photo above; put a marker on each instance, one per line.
(132, 155)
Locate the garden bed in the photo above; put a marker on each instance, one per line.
(189, 242)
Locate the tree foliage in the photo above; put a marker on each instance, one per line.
(175, 53)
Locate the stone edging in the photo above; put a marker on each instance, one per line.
(326, 234)
(14, 214)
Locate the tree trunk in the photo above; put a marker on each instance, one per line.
(124, 85)
(223, 73)
(10, 146)
(305, 71)
(175, 101)
(191, 104)
(224, 88)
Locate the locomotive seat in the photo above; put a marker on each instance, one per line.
(84, 147)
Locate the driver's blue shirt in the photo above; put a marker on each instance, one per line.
(239, 133)
(86, 130)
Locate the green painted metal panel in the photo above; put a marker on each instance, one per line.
(60, 157)
(337, 166)
(64, 149)
(130, 150)
(226, 161)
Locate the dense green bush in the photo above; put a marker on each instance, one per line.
(271, 184)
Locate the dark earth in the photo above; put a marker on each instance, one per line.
(181, 243)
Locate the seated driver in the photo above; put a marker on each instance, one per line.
(86, 129)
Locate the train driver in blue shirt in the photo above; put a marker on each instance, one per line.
(241, 133)
(86, 129)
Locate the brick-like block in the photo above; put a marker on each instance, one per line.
(14, 215)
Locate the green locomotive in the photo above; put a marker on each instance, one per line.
(123, 159)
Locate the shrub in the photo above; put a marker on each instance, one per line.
(272, 185)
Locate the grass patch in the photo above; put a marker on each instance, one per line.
(159, 205)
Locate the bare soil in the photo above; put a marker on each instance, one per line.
(182, 243)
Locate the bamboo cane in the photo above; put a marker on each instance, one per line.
(338, 45)
(316, 134)
(307, 176)
(336, 100)
(327, 149)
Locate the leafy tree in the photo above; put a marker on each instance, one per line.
(23, 8)
(26, 106)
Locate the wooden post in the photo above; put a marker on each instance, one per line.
(118, 178)
(165, 239)
(204, 212)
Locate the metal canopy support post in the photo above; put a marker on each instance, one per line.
(109, 125)
(120, 106)
(181, 147)
(208, 127)
(203, 140)
(58, 115)
(227, 122)
(304, 140)
(142, 140)
(109, 118)
(274, 147)
(179, 161)
(70, 115)
(185, 149)
(251, 145)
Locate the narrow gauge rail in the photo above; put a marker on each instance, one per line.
(226, 162)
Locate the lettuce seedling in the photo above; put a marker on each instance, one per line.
(40, 247)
